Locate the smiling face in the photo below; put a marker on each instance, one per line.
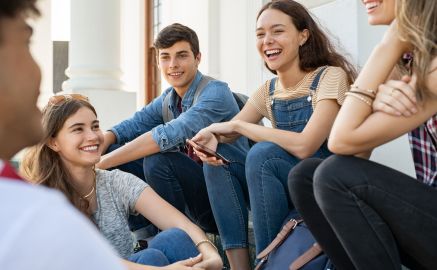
(278, 40)
(178, 65)
(79, 141)
(380, 11)
(20, 79)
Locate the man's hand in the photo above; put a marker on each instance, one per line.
(108, 139)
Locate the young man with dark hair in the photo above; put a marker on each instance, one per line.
(164, 161)
(40, 230)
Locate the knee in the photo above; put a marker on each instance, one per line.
(337, 173)
(300, 177)
(150, 256)
(259, 154)
(170, 237)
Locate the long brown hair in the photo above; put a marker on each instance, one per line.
(42, 165)
(318, 50)
(417, 24)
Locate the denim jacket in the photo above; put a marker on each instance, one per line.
(214, 104)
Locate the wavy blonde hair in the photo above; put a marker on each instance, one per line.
(417, 22)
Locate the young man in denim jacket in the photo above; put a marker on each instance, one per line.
(156, 151)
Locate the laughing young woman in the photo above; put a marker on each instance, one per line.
(65, 161)
(363, 214)
(301, 102)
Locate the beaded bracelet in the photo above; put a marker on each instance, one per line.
(206, 241)
(360, 97)
(368, 92)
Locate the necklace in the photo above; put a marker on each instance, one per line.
(92, 190)
(89, 194)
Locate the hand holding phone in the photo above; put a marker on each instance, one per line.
(207, 151)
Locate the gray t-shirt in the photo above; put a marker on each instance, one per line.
(117, 194)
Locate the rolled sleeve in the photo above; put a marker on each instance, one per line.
(215, 104)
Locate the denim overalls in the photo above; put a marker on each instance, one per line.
(268, 165)
(294, 114)
(263, 175)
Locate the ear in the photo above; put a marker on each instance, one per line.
(303, 37)
(52, 144)
(197, 58)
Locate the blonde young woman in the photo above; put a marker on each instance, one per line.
(65, 160)
(302, 103)
(366, 215)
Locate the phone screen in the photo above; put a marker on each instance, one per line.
(207, 151)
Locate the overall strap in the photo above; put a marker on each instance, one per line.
(316, 80)
(167, 115)
(272, 86)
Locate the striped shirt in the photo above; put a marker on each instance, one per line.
(423, 143)
(333, 85)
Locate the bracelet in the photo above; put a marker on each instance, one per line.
(360, 97)
(362, 93)
(370, 92)
(206, 241)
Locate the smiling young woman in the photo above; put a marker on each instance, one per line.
(301, 102)
(65, 160)
(363, 214)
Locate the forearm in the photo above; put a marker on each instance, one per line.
(292, 142)
(228, 139)
(140, 147)
(347, 127)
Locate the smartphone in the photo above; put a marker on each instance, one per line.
(205, 150)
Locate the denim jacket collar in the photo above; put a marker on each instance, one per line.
(187, 100)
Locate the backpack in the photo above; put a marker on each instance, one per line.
(294, 248)
(167, 115)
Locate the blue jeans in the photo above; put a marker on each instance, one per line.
(167, 247)
(228, 194)
(178, 180)
(267, 167)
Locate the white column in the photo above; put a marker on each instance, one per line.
(94, 59)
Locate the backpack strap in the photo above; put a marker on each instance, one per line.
(280, 237)
(167, 115)
(202, 84)
(314, 251)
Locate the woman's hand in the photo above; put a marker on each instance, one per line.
(191, 263)
(396, 98)
(208, 139)
(210, 262)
